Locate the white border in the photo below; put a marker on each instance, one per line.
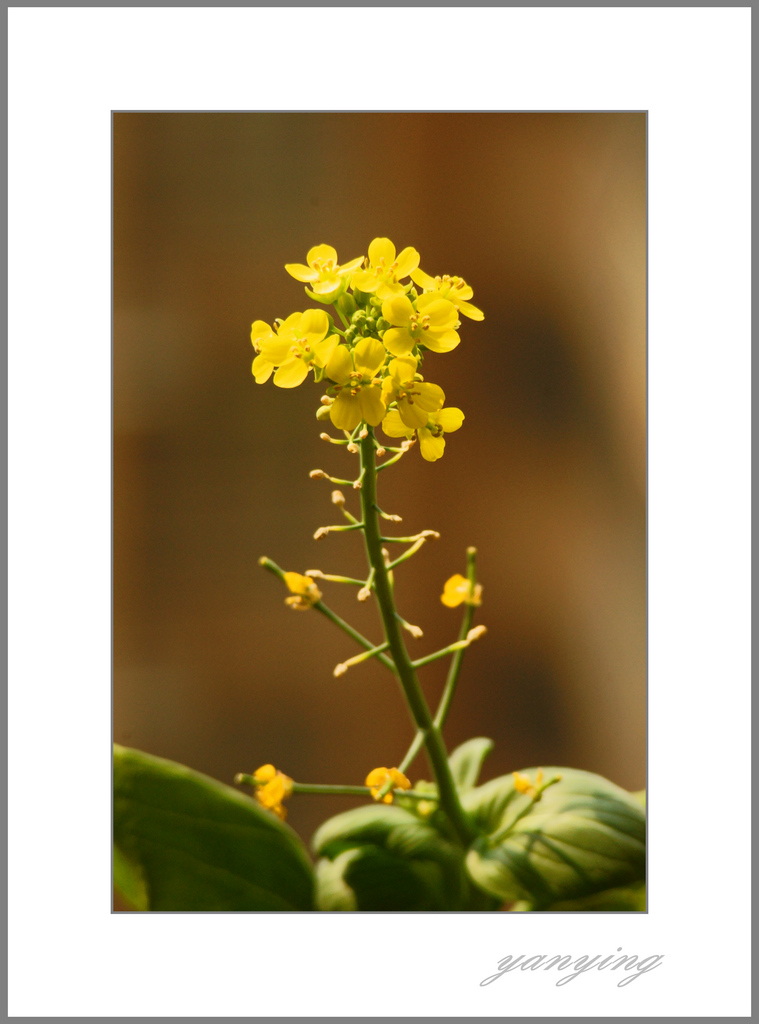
(68, 68)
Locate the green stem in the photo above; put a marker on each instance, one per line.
(436, 752)
(307, 787)
(453, 671)
(328, 790)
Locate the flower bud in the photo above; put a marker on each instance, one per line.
(322, 413)
(347, 305)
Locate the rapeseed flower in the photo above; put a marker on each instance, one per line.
(455, 289)
(416, 400)
(273, 787)
(431, 440)
(459, 590)
(523, 785)
(325, 279)
(300, 342)
(385, 272)
(431, 324)
(359, 396)
(430, 433)
(304, 592)
(378, 777)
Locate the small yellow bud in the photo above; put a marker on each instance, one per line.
(322, 413)
(338, 498)
(476, 633)
(318, 474)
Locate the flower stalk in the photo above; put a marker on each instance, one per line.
(412, 691)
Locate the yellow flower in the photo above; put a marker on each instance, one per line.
(523, 785)
(359, 396)
(458, 590)
(416, 400)
(431, 440)
(299, 343)
(455, 289)
(304, 591)
(377, 778)
(431, 324)
(273, 788)
(385, 271)
(326, 278)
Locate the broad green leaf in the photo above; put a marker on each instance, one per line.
(129, 879)
(200, 845)
(584, 835)
(383, 857)
(625, 898)
(466, 761)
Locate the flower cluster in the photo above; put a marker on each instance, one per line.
(392, 315)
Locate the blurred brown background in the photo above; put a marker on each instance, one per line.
(544, 215)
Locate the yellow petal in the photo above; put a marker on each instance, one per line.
(276, 350)
(260, 331)
(381, 248)
(348, 268)
(345, 411)
(411, 414)
(432, 448)
(314, 324)
(430, 397)
(456, 588)
(408, 260)
(369, 355)
(328, 289)
(403, 368)
(398, 310)
(398, 341)
(399, 779)
(339, 365)
(445, 342)
(441, 312)
(449, 419)
(394, 426)
(262, 369)
(376, 777)
(296, 583)
(372, 407)
(419, 277)
(364, 281)
(264, 773)
(469, 310)
(301, 273)
(291, 374)
(323, 350)
(322, 253)
(389, 289)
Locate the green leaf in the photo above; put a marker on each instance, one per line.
(196, 844)
(383, 857)
(466, 761)
(129, 879)
(583, 836)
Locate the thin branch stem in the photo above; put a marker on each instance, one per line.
(333, 618)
